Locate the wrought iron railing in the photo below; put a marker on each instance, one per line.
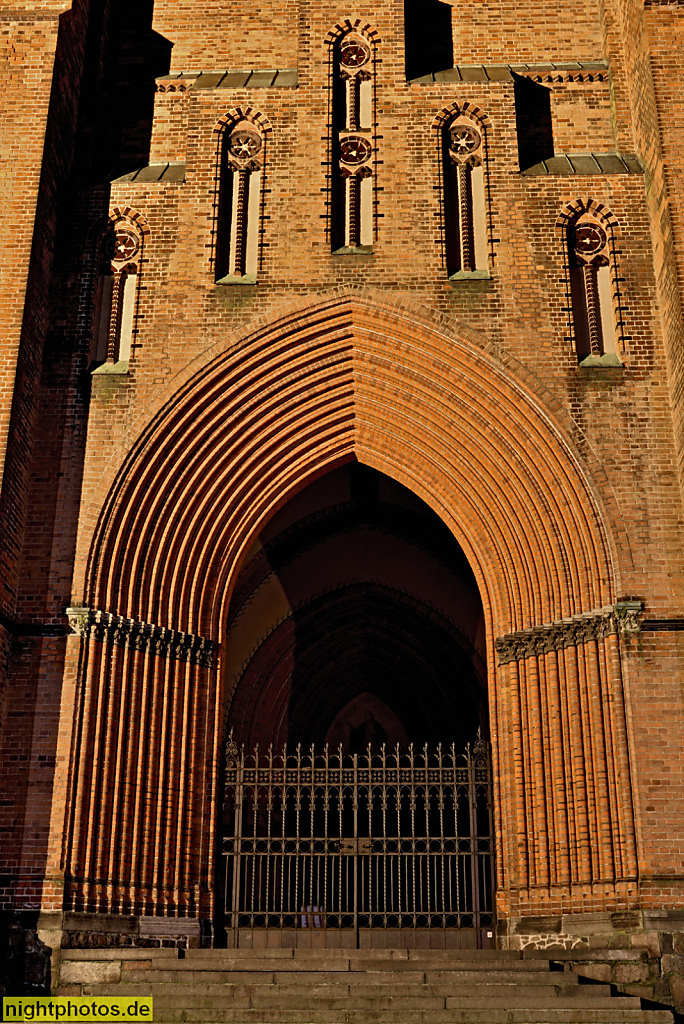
(385, 839)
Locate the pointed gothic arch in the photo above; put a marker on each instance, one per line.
(324, 383)
(242, 134)
(590, 234)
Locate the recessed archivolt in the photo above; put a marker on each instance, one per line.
(133, 217)
(251, 114)
(466, 109)
(334, 380)
(343, 28)
(125, 215)
(572, 211)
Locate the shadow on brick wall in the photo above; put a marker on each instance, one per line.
(429, 40)
(533, 122)
(24, 959)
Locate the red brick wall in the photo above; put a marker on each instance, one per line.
(662, 149)
(621, 429)
(45, 59)
(267, 35)
(29, 44)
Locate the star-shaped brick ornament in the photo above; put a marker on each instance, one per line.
(122, 246)
(464, 139)
(589, 238)
(354, 53)
(355, 149)
(244, 144)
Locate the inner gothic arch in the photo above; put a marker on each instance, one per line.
(355, 600)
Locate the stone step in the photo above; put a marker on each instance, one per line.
(176, 974)
(228, 977)
(311, 992)
(381, 953)
(475, 957)
(302, 978)
(351, 987)
(349, 997)
(449, 984)
(278, 1001)
(479, 955)
(470, 1015)
(183, 969)
(381, 976)
(585, 954)
(267, 963)
(197, 995)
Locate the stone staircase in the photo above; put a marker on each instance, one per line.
(338, 986)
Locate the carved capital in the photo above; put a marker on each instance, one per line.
(253, 164)
(157, 640)
(79, 619)
(555, 636)
(627, 615)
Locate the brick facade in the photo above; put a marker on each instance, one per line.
(137, 489)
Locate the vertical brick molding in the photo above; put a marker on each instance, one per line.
(486, 447)
(53, 888)
(144, 800)
(566, 809)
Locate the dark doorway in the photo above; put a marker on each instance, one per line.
(356, 613)
(358, 797)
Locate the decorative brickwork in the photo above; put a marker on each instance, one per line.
(556, 636)
(375, 326)
(141, 636)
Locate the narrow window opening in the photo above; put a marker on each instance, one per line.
(352, 199)
(103, 310)
(429, 45)
(464, 199)
(593, 320)
(533, 123)
(115, 300)
(237, 245)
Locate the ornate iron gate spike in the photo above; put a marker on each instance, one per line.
(378, 839)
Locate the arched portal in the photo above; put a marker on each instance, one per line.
(355, 646)
(355, 601)
(249, 426)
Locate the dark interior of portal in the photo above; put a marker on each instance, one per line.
(356, 621)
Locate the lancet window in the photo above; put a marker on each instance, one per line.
(116, 295)
(590, 285)
(353, 150)
(464, 197)
(242, 152)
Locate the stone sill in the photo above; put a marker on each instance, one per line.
(165, 173)
(353, 250)
(273, 78)
(586, 163)
(112, 368)
(607, 360)
(471, 275)
(579, 70)
(234, 279)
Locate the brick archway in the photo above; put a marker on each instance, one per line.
(427, 405)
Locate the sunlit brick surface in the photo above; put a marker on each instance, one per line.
(138, 493)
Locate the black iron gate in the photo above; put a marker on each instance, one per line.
(385, 841)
